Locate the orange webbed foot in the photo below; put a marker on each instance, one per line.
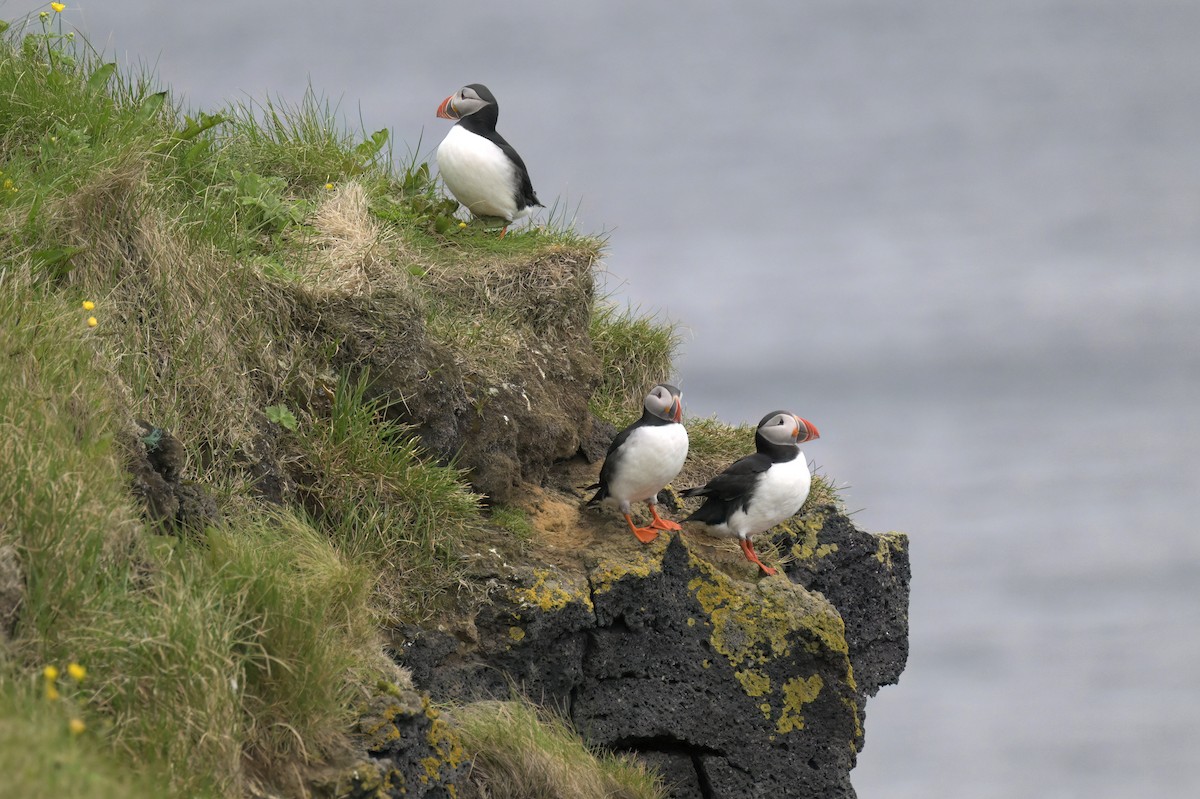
(660, 523)
(752, 556)
(644, 534)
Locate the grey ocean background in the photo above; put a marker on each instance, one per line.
(961, 237)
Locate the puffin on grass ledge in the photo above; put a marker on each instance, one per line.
(480, 168)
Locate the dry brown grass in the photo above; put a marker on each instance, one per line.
(351, 252)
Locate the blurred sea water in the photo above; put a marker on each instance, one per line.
(962, 238)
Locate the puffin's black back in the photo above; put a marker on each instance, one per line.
(483, 123)
(728, 491)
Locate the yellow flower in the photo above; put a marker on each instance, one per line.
(76, 726)
(50, 673)
(88, 305)
(462, 225)
(58, 7)
(92, 321)
(43, 15)
(51, 693)
(77, 672)
(329, 187)
(8, 184)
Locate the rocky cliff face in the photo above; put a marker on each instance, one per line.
(732, 685)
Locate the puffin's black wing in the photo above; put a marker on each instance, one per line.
(525, 194)
(611, 459)
(729, 490)
(736, 481)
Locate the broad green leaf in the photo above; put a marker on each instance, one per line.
(150, 106)
(100, 78)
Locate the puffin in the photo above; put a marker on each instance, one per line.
(478, 166)
(761, 490)
(643, 458)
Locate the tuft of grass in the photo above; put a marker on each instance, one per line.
(512, 520)
(304, 629)
(64, 503)
(245, 650)
(520, 752)
(385, 503)
(635, 353)
(205, 656)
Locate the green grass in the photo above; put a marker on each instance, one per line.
(513, 521)
(636, 352)
(520, 752)
(41, 758)
(386, 504)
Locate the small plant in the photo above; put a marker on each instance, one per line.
(280, 415)
(70, 704)
(264, 203)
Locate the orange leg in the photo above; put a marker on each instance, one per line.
(751, 556)
(660, 523)
(644, 534)
(502, 232)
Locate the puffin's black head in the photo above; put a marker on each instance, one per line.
(665, 402)
(779, 428)
(474, 98)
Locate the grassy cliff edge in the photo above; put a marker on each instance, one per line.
(224, 338)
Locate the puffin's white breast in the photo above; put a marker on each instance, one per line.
(649, 459)
(777, 496)
(479, 174)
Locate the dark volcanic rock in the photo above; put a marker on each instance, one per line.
(866, 577)
(157, 459)
(736, 673)
(532, 636)
(731, 687)
(412, 753)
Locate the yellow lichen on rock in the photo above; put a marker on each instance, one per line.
(797, 692)
(448, 749)
(551, 591)
(640, 563)
(887, 544)
(754, 682)
(805, 530)
(755, 624)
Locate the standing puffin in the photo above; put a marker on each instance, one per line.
(480, 168)
(761, 490)
(644, 457)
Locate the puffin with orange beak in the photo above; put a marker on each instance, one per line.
(478, 166)
(643, 458)
(761, 490)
